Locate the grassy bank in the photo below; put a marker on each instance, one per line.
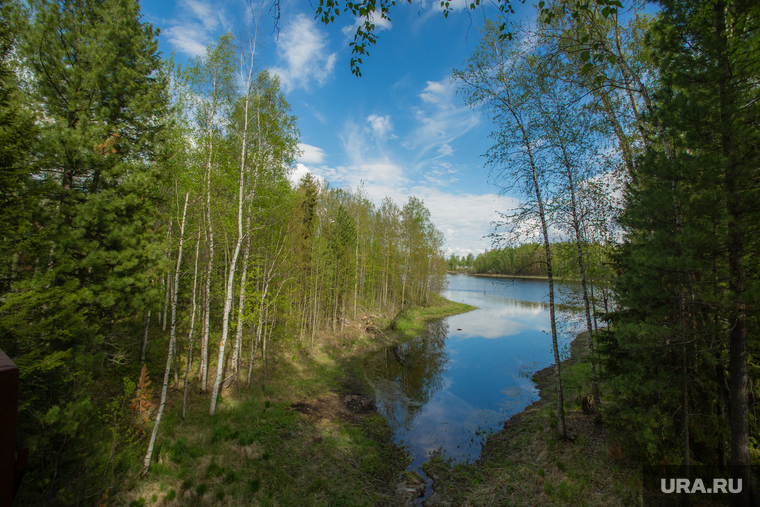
(525, 464)
(309, 437)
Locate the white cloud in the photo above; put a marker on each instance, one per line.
(188, 38)
(441, 119)
(380, 24)
(430, 9)
(464, 218)
(196, 26)
(299, 172)
(441, 175)
(445, 149)
(304, 55)
(310, 154)
(435, 93)
(380, 125)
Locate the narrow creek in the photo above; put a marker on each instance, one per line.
(465, 375)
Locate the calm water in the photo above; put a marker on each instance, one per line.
(467, 374)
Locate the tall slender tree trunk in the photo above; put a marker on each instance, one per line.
(192, 323)
(149, 453)
(160, 311)
(507, 102)
(146, 326)
(356, 268)
(209, 268)
(168, 278)
(260, 323)
(582, 267)
(241, 300)
(233, 262)
(561, 429)
(735, 206)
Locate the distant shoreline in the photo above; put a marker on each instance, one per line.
(529, 277)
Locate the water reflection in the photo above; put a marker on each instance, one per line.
(409, 375)
(466, 374)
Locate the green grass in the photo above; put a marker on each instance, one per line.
(256, 450)
(412, 321)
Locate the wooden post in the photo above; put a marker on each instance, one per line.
(8, 412)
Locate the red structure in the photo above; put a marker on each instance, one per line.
(8, 412)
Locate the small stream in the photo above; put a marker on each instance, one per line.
(465, 375)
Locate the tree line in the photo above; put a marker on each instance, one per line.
(149, 229)
(634, 141)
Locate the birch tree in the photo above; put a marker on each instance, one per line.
(246, 73)
(211, 78)
(498, 80)
(565, 127)
(172, 340)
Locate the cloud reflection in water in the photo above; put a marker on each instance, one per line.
(447, 389)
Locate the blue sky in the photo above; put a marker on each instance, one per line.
(401, 128)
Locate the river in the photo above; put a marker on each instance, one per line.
(465, 375)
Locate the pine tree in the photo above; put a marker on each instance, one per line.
(17, 135)
(96, 77)
(689, 270)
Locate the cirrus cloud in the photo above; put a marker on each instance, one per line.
(304, 55)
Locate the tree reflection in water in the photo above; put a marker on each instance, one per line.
(409, 375)
(447, 389)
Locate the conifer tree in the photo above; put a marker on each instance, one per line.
(97, 78)
(689, 263)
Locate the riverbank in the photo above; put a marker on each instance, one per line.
(526, 464)
(309, 436)
(520, 277)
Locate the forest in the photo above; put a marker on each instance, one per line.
(149, 231)
(634, 141)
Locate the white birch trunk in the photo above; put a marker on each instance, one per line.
(210, 265)
(168, 279)
(149, 453)
(238, 244)
(241, 300)
(192, 324)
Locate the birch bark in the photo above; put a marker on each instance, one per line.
(149, 453)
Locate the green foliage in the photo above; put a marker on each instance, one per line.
(83, 269)
(686, 267)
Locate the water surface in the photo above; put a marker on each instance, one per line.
(465, 375)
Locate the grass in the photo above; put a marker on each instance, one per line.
(259, 450)
(414, 319)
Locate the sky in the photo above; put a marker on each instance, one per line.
(400, 129)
